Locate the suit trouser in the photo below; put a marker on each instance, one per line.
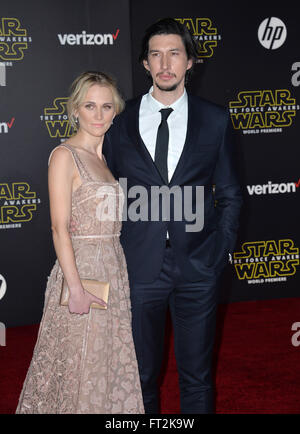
(193, 312)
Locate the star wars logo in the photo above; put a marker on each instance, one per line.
(13, 40)
(263, 111)
(17, 204)
(266, 261)
(205, 35)
(56, 120)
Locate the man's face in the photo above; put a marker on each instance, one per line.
(167, 61)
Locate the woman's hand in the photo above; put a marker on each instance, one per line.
(80, 302)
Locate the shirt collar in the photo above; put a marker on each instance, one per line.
(155, 105)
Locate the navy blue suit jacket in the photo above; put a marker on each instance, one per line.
(208, 159)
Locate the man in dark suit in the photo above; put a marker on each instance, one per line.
(170, 138)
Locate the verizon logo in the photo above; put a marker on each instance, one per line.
(272, 188)
(85, 38)
(6, 126)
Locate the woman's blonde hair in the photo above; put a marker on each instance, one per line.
(81, 85)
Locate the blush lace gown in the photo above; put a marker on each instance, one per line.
(87, 363)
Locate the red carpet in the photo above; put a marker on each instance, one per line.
(256, 365)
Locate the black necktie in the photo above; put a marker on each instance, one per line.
(162, 144)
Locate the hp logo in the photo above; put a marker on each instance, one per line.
(272, 33)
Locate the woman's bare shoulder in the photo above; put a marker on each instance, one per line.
(60, 155)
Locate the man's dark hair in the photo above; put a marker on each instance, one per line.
(169, 26)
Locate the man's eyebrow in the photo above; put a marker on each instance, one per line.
(154, 50)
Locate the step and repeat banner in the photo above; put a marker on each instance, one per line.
(248, 61)
(43, 47)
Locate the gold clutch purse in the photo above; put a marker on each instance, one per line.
(94, 287)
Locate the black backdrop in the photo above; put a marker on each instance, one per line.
(259, 85)
(35, 84)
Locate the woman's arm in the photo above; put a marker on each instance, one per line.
(61, 176)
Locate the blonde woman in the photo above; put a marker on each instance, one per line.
(84, 359)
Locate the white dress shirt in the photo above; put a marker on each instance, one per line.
(150, 118)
